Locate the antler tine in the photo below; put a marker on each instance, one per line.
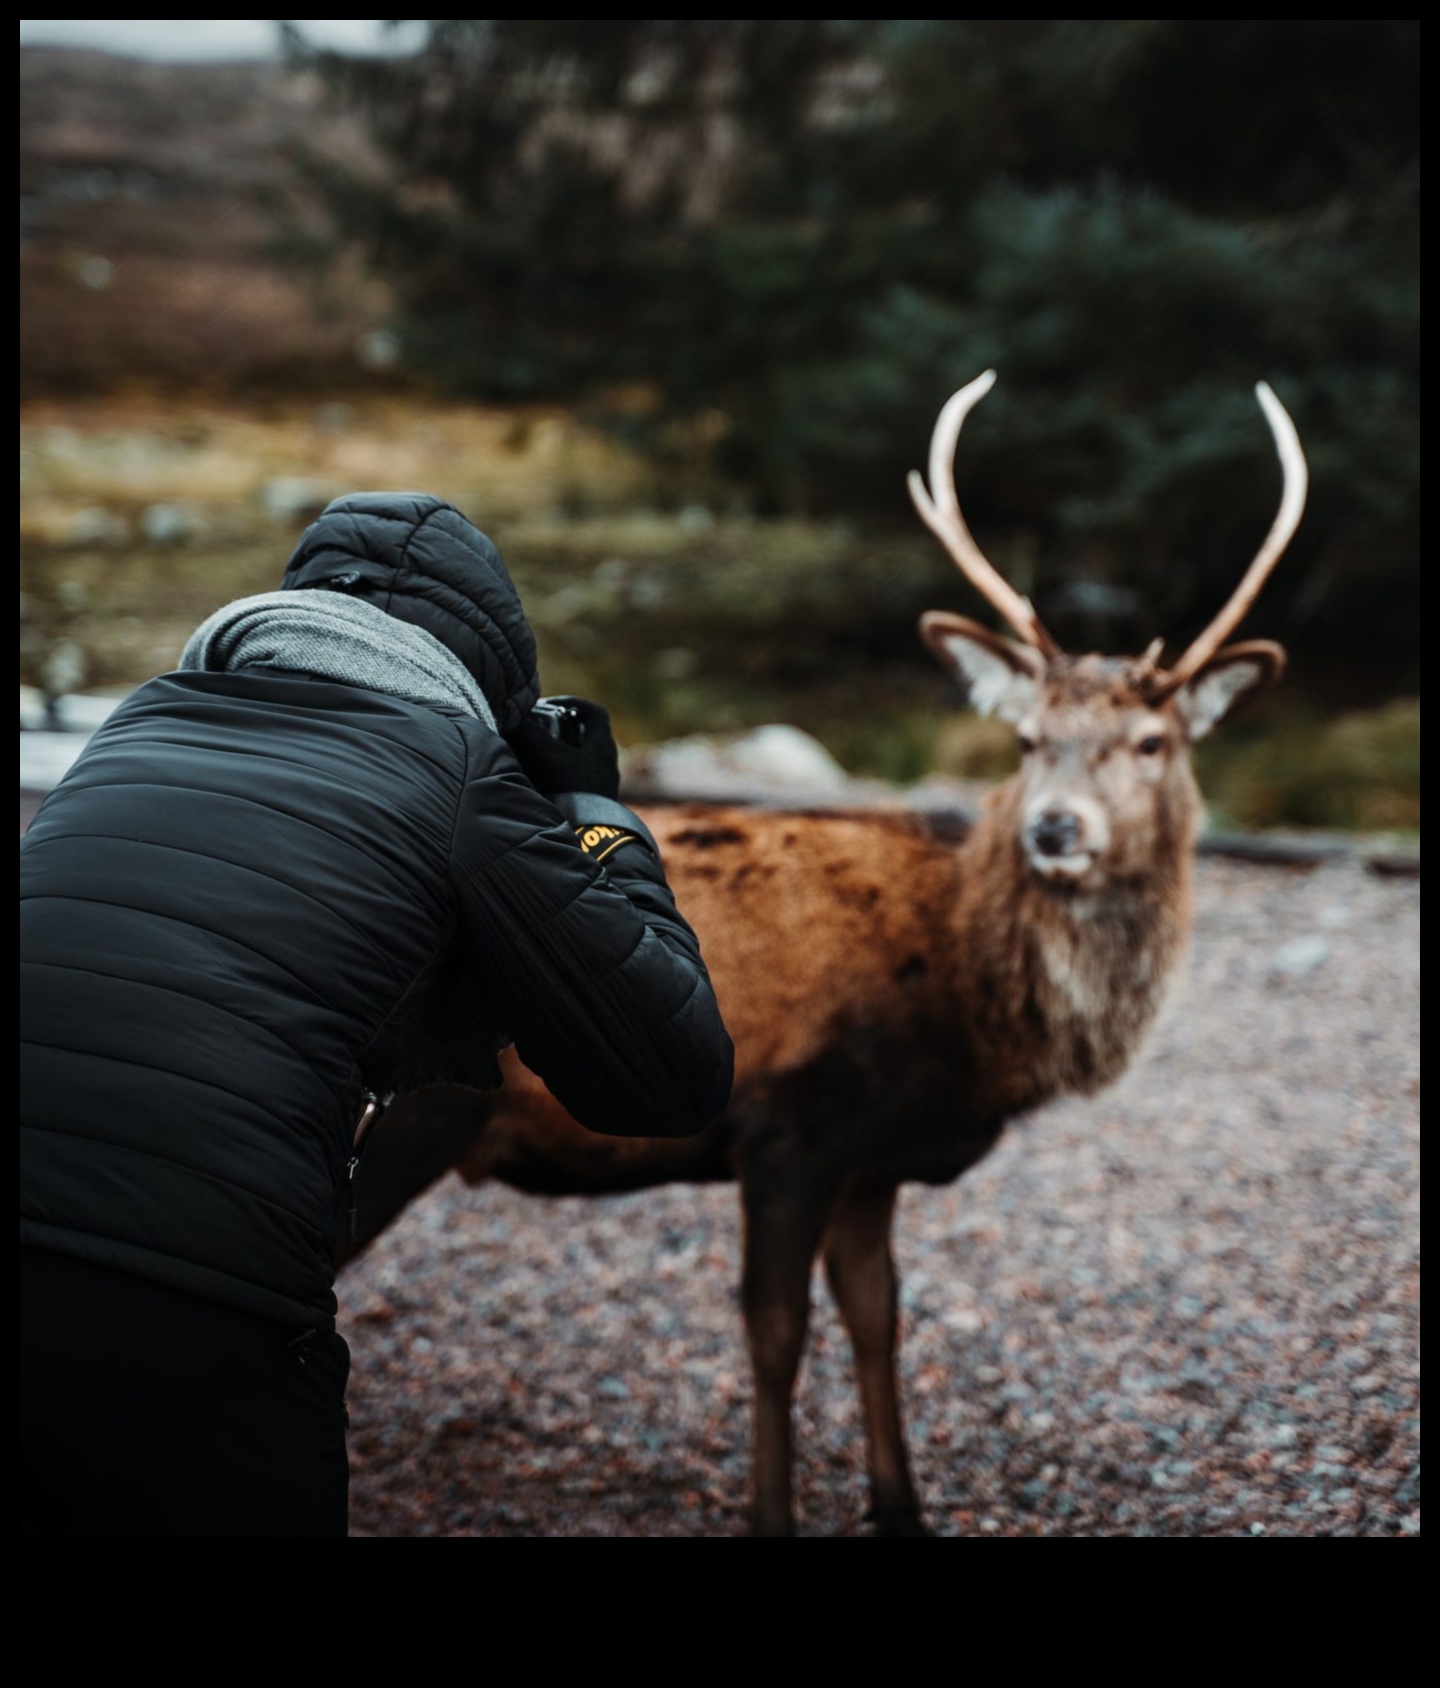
(939, 509)
(1282, 530)
(1149, 661)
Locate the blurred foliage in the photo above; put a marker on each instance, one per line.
(1359, 771)
(138, 520)
(771, 248)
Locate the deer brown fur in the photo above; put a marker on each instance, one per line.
(895, 995)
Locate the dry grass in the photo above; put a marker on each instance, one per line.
(124, 454)
(139, 516)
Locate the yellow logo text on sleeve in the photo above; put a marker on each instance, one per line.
(599, 841)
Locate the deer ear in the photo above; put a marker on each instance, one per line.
(1000, 677)
(1231, 677)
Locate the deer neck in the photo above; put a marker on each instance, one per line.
(1057, 990)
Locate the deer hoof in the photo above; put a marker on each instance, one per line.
(896, 1521)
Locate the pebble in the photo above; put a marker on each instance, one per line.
(1196, 1295)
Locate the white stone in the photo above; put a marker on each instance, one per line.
(294, 497)
(166, 524)
(775, 757)
(1300, 955)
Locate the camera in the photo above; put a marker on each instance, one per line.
(562, 721)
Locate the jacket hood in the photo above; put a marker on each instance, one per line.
(419, 559)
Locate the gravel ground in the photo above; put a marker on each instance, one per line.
(1189, 1307)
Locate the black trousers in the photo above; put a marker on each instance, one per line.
(145, 1411)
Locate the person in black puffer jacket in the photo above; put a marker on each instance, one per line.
(240, 912)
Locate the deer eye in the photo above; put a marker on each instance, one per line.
(1026, 742)
(1151, 745)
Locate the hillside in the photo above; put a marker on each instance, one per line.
(160, 216)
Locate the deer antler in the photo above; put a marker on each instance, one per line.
(1292, 503)
(1148, 663)
(940, 511)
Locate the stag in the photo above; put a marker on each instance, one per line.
(896, 996)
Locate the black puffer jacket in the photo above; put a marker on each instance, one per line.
(243, 903)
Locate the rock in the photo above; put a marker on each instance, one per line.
(379, 349)
(32, 709)
(95, 525)
(63, 668)
(695, 520)
(774, 758)
(1300, 956)
(167, 524)
(292, 498)
(335, 417)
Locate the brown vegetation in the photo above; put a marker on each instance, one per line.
(153, 198)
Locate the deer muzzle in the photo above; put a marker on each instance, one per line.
(1065, 840)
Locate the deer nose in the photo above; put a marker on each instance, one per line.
(1056, 832)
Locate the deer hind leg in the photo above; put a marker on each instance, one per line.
(415, 1143)
(861, 1271)
(784, 1221)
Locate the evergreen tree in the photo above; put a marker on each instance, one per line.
(815, 229)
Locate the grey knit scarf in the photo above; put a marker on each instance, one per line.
(338, 638)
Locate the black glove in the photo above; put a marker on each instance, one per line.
(565, 744)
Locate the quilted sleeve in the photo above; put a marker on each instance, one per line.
(592, 968)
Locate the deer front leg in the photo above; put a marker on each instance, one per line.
(784, 1221)
(861, 1271)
